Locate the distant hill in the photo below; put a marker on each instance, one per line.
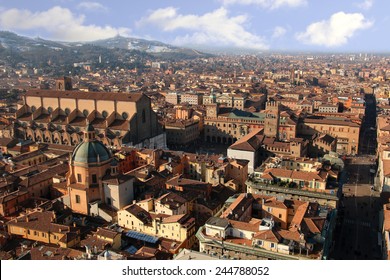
(116, 50)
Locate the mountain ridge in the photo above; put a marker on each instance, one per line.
(16, 48)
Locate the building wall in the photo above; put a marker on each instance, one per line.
(267, 245)
(238, 172)
(119, 196)
(87, 172)
(42, 236)
(172, 230)
(215, 231)
(180, 135)
(250, 156)
(347, 136)
(176, 231)
(279, 215)
(143, 120)
(172, 98)
(10, 206)
(129, 221)
(164, 209)
(80, 206)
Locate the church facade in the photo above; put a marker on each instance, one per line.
(59, 117)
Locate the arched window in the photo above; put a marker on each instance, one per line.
(85, 113)
(33, 108)
(125, 115)
(104, 114)
(67, 111)
(50, 110)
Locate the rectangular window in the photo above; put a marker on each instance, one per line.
(94, 179)
(79, 178)
(77, 198)
(272, 245)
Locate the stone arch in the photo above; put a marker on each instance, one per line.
(57, 137)
(75, 139)
(30, 134)
(47, 136)
(66, 139)
(38, 135)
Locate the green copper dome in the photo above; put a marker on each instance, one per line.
(91, 152)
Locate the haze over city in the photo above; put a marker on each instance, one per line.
(259, 25)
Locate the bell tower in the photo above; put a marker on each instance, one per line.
(271, 122)
(64, 83)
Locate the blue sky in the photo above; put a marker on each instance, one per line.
(288, 25)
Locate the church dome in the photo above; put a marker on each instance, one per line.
(91, 152)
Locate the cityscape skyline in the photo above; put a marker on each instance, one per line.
(259, 25)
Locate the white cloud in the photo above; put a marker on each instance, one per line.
(60, 24)
(268, 4)
(335, 31)
(91, 6)
(279, 31)
(214, 28)
(366, 5)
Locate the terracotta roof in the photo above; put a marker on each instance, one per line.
(173, 219)
(105, 232)
(139, 213)
(268, 235)
(290, 235)
(249, 142)
(251, 226)
(131, 97)
(172, 200)
(276, 204)
(183, 182)
(45, 222)
(45, 252)
(93, 240)
(240, 205)
(344, 122)
(298, 216)
(311, 225)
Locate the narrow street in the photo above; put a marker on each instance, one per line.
(356, 234)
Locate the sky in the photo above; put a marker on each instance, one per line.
(261, 25)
